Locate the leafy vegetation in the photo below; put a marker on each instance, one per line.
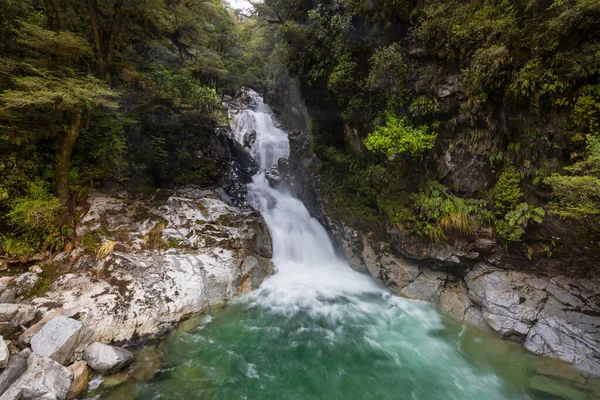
(510, 89)
(398, 137)
(109, 90)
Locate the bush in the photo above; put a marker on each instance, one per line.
(512, 227)
(577, 195)
(36, 219)
(507, 193)
(398, 137)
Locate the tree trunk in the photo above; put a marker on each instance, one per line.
(53, 13)
(62, 163)
(105, 37)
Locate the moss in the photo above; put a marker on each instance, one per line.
(47, 278)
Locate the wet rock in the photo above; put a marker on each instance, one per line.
(115, 380)
(146, 365)
(17, 314)
(557, 369)
(44, 379)
(81, 378)
(14, 369)
(4, 353)
(552, 387)
(62, 339)
(107, 359)
(249, 140)
(427, 286)
(454, 301)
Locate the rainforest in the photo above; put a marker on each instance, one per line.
(300, 199)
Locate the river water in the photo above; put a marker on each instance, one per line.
(319, 330)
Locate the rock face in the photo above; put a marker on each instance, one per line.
(44, 379)
(4, 353)
(107, 359)
(62, 339)
(169, 256)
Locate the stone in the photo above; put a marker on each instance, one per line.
(44, 379)
(6, 329)
(81, 378)
(115, 380)
(4, 353)
(509, 300)
(107, 359)
(557, 369)
(26, 336)
(15, 368)
(146, 365)
(62, 339)
(25, 283)
(550, 386)
(427, 286)
(36, 269)
(7, 290)
(17, 314)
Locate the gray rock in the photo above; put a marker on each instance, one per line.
(62, 339)
(107, 359)
(25, 283)
(141, 291)
(44, 379)
(15, 368)
(4, 353)
(510, 300)
(427, 286)
(17, 314)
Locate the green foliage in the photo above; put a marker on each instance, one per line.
(439, 213)
(36, 218)
(577, 194)
(512, 227)
(183, 90)
(398, 137)
(507, 193)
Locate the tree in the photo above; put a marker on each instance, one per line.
(74, 96)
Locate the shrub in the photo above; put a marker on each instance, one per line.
(512, 227)
(578, 194)
(398, 137)
(507, 193)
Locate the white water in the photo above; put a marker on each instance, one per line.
(271, 142)
(312, 281)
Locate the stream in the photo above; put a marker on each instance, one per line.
(319, 330)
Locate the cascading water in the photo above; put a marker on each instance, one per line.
(319, 330)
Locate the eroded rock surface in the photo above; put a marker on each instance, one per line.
(167, 257)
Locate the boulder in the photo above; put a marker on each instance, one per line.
(25, 283)
(26, 336)
(107, 359)
(17, 314)
(4, 353)
(15, 368)
(81, 378)
(62, 339)
(44, 379)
